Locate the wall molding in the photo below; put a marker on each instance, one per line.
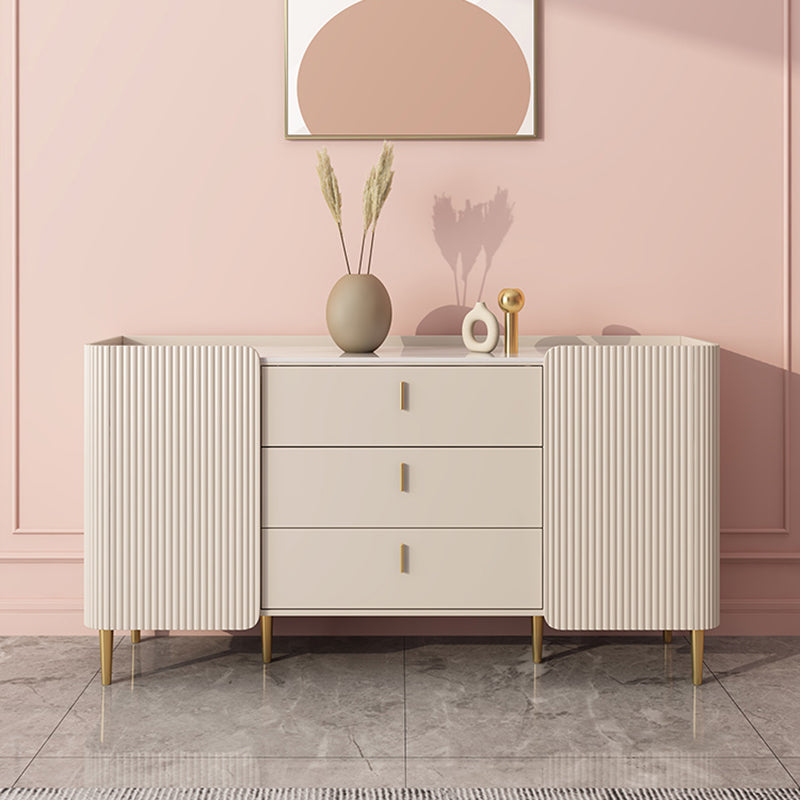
(784, 530)
(786, 279)
(758, 606)
(36, 557)
(43, 531)
(787, 264)
(41, 605)
(15, 275)
(15, 265)
(779, 557)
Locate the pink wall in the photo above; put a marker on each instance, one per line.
(157, 195)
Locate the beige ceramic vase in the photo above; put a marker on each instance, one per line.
(359, 313)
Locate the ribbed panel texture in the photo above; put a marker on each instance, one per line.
(172, 487)
(631, 487)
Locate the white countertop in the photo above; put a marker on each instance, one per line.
(391, 353)
(435, 350)
(422, 350)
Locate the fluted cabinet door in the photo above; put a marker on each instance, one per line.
(172, 487)
(631, 487)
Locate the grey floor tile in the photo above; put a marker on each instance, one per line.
(762, 675)
(40, 678)
(194, 711)
(793, 765)
(568, 771)
(591, 697)
(190, 770)
(10, 769)
(211, 695)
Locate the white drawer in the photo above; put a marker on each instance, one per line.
(442, 569)
(402, 487)
(375, 405)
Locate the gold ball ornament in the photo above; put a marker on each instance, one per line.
(511, 300)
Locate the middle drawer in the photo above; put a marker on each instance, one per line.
(378, 487)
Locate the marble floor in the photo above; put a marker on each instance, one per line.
(204, 711)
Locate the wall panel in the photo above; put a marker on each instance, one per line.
(157, 195)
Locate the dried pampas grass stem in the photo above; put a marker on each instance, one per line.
(381, 187)
(376, 190)
(332, 195)
(367, 208)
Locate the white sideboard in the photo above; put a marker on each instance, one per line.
(232, 478)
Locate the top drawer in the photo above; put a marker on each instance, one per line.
(366, 405)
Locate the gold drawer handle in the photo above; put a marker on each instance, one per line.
(403, 392)
(403, 482)
(403, 557)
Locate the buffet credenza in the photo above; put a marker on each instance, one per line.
(232, 478)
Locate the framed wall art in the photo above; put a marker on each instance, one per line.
(413, 69)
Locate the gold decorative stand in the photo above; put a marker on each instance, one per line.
(511, 302)
(667, 635)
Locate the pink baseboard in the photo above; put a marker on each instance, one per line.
(781, 619)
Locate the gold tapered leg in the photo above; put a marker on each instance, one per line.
(266, 639)
(106, 648)
(538, 630)
(698, 638)
(136, 637)
(667, 637)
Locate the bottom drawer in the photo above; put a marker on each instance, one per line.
(444, 569)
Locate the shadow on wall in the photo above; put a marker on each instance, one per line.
(461, 236)
(753, 445)
(619, 330)
(754, 440)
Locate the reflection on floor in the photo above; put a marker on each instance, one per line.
(204, 711)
